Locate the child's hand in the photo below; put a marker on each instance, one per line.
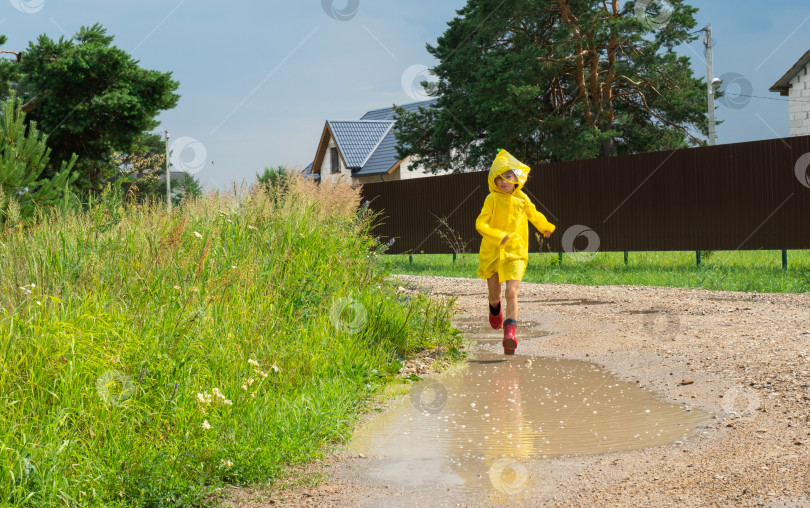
(547, 233)
(505, 238)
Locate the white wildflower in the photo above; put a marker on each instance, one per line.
(227, 463)
(263, 374)
(206, 425)
(244, 387)
(227, 402)
(250, 381)
(253, 362)
(252, 227)
(198, 235)
(275, 368)
(177, 288)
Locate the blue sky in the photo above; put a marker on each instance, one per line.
(258, 79)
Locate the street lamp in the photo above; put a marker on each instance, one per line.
(711, 81)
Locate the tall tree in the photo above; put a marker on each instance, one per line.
(557, 80)
(23, 159)
(185, 187)
(9, 70)
(90, 96)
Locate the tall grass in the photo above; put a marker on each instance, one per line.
(759, 271)
(148, 358)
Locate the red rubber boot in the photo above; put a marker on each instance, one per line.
(509, 339)
(495, 321)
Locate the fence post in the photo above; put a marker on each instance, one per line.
(697, 256)
(625, 258)
(784, 259)
(454, 258)
(410, 259)
(560, 253)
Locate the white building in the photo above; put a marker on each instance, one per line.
(796, 84)
(363, 150)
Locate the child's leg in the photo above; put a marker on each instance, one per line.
(494, 289)
(511, 298)
(494, 297)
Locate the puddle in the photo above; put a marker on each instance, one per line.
(473, 430)
(473, 330)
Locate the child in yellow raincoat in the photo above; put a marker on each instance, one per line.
(504, 226)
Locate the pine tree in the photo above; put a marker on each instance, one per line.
(91, 96)
(557, 80)
(185, 187)
(24, 156)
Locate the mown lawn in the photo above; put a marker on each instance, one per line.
(759, 271)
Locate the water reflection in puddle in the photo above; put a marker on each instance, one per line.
(456, 429)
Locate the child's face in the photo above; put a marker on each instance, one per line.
(506, 182)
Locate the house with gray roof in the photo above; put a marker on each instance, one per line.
(363, 150)
(796, 84)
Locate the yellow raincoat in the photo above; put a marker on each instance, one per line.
(504, 214)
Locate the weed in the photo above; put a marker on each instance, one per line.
(151, 358)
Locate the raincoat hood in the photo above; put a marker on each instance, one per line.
(503, 162)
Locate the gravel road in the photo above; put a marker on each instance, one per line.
(743, 357)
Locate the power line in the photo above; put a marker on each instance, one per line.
(769, 98)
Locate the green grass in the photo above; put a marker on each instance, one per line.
(121, 326)
(759, 271)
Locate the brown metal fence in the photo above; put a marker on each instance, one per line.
(742, 196)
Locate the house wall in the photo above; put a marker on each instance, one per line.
(374, 179)
(326, 166)
(401, 173)
(407, 174)
(800, 103)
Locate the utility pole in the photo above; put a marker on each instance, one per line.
(168, 177)
(710, 81)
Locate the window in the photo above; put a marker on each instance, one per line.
(335, 160)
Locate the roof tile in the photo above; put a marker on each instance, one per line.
(357, 139)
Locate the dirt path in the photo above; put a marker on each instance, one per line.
(744, 358)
